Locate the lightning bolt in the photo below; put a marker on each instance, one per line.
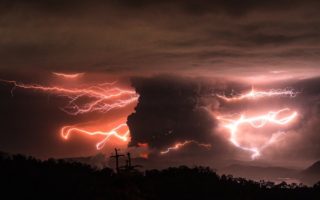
(182, 144)
(68, 76)
(98, 98)
(253, 94)
(66, 131)
(257, 122)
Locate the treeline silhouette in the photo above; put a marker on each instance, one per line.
(28, 178)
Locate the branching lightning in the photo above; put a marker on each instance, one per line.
(260, 121)
(66, 131)
(100, 98)
(253, 94)
(257, 122)
(182, 144)
(105, 97)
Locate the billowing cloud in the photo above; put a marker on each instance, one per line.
(168, 112)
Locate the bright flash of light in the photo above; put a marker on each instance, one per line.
(182, 144)
(68, 76)
(257, 122)
(253, 94)
(99, 98)
(66, 131)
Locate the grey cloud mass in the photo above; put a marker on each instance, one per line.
(161, 36)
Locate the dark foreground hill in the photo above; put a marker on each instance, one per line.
(97, 161)
(27, 178)
(277, 174)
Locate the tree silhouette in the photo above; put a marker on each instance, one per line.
(28, 178)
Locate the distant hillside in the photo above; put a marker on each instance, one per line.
(275, 174)
(314, 168)
(311, 174)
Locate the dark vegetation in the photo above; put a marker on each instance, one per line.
(28, 178)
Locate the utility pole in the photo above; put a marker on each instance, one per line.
(116, 156)
(129, 160)
(129, 167)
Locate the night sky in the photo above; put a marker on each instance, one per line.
(175, 57)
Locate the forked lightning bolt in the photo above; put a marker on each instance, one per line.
(182, 144)
(98, 98)
(257, 122)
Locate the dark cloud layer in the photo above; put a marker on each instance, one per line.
(212, 37)
(168, 112)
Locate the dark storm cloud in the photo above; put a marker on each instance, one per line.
(160, 36)
(168, 112)
(173, 109)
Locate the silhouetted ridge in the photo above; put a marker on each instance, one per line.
(28, 178)
(311, 175)
(314, 168)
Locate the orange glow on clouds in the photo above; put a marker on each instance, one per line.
(144, 155)
(145, 145)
